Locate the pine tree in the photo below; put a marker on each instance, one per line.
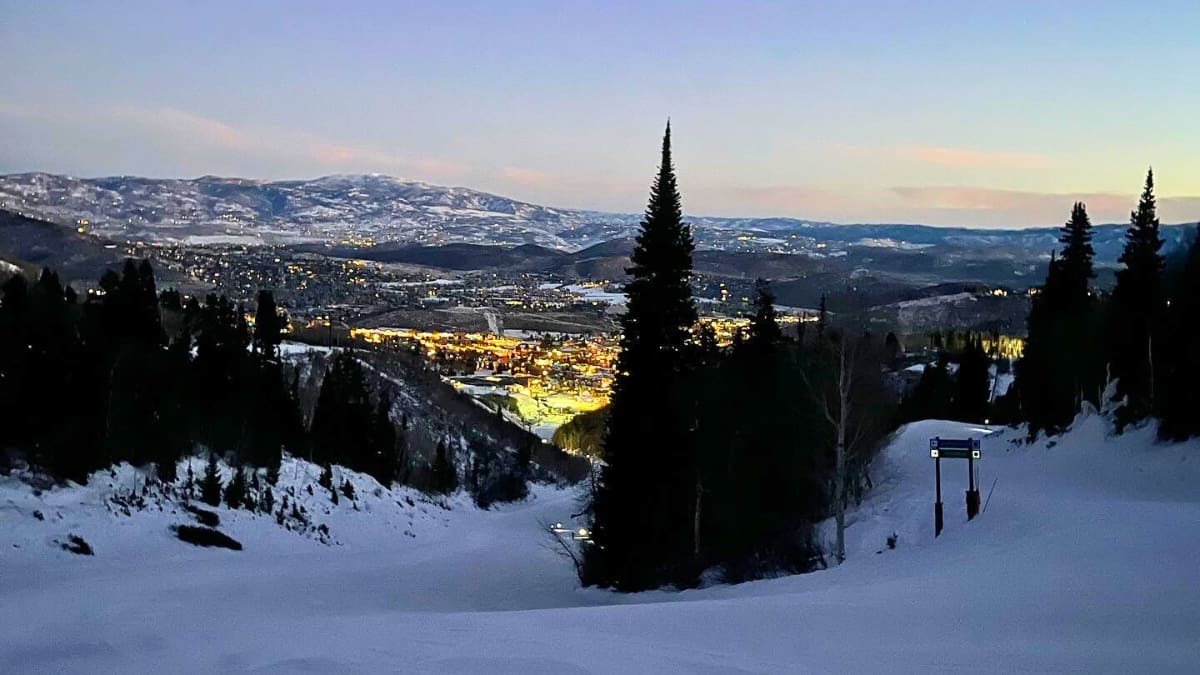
(764, 323)
(1136, 344)
(235, 491)
(444, 475)
(822, 319)
(1077, 253)
(210, 484)
(932, 397)
(891, 345)
(189, 485)
(1061, 366)
(643, 505)
(384, 448)
(341, 423)
(268, 324)
(972, 389)
(1181, 400)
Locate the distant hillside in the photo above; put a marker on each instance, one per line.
(375, 209)
(32, 244)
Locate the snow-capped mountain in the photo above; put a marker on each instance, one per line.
(372, 209)
(334, 208)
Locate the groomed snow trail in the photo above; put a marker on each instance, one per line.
(1085, 561)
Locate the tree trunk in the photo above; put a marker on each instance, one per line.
(839, 480)
(839, 488)
(1150, 361)
(696, 521)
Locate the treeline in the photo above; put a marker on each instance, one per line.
(90, 383)
(1135, 349)
(128, 374)
(965, 394)
(584, 433)
(723, 457)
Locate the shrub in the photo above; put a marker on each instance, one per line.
(206, 536)
(204, 516)
(75, 544)
(793, 552)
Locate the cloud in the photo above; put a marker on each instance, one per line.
(197, 144)
(968, 159)
(768, 200)
(524, 176)
(187, 127)
(1026, 207)
(960, 158)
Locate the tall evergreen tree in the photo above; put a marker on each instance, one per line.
(210, 484)
(236, 490)
(1180, 404)
(341, 423)
(444, 475)
(972, 390)
(643, 504)
(1136, 345)
(764, 323)
(268, 324)
(1076, 258)
(932, 397)
(384, 447)
(1062, 366)
(822, 319)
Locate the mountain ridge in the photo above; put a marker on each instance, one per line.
(374, 209)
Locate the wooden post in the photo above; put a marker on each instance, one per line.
(937, 507)
(972, 491)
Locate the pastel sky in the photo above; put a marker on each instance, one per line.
(949, 112)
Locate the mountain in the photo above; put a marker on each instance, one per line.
(30, 244)
(362, 209)
(392, 214)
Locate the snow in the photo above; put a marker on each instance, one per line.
(212, 239)
(933, 301)
(1084, 561)
(596, 294)
(887, 242)
(426, 282)
(9, 268)
(298, 348)
(1000, 382)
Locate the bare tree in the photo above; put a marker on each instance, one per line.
(839, 403)
(562, 547)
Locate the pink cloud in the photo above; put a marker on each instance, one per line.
(196, 139)
(967, 158)
(964, 158)
(1040, 207)
(524, 176)
(195, 128)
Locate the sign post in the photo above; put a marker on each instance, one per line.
(955, 448)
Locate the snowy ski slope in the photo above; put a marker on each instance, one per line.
(1087, 559)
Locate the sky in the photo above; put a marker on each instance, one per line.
(980, 113)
